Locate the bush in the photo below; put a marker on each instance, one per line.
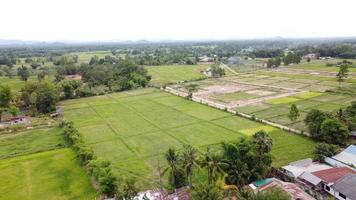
(324, 150)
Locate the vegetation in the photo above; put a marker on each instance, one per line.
(323, 150)
(293, 113)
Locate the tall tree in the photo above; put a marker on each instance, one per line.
(323, 150)
(189, 161)
(214, 165)
(313, 120)
(343, 73)
(334, 132)
(262, 141)
(23, 73)
(293, 113)
(5, 99)
(173, 160)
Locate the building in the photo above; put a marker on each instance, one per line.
(345, 158)
(290, 188)
(297, 168)
(325, 180)
(160, 194)
(345, 188)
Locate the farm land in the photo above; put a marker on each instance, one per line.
(35, 164)
(134, 129)
(269, 93)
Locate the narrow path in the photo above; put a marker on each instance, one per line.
(224, 66)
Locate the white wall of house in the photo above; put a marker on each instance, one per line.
(334, 193)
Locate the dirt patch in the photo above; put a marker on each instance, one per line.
(261, 92)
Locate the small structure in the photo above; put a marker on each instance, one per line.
(160, 194)
(207, 72)
(297, 168)
(290, 188)
(312, 56)
(205, 60)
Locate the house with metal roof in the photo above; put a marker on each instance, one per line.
(297, 168)
(346, 157)
(345, 188)
(325, 180)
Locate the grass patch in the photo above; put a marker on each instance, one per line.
(48, 175)
(282, 100)
(236, 96)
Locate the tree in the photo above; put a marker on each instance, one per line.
(128, 190)
(308, 59)
(5, 98)
(206, 191)
(332, 131)
(214, 165)
(189, 161)
(41, 75)
(343, 73)
(193, 87)
(323, 150)
(293, 113)
(172, 158)
(107, 181)
(313, 120)
(23, 73)
(217, 71)
(262, 141)
(41, 96)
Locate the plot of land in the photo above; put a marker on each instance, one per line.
(48, 175)
(162, 75)
(134, 130)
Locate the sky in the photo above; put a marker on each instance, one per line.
(101, 20)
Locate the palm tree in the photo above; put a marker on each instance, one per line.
(189, 161)
(214, 164)
(262, 141)
(172, 158)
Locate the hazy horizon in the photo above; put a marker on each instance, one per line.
(157, 20)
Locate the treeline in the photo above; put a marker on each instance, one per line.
(100, 169)
(291, 57)
(228, 168)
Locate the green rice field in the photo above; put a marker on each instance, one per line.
(134, 129)
(48, 175)
(162, 75)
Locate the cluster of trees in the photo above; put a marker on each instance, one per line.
(235, 164)
(332, 128)
(217, 71)
(292, 57)
(121, 76)
(8, 60)
(274, 62)
(39, 97)
(6, 101)
(99, 168)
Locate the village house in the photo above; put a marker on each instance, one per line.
(329, 181)
(292, 189)
(297, 168)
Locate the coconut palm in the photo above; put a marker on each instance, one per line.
(214, 165)
(172, 158)
(189, 161)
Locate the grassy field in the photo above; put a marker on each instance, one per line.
(48, 175)
(31, 141)
(162, 75)
(16, 84)
(134, 129)
(84, 57)
(234, 96)
(320, 65)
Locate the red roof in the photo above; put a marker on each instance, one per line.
(333, 174)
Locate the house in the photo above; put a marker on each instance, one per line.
(297, 168)
(324, 180)
(205, 60)
(345, 188)
(160, 194)
(312, 56)
(290, 188)
(345, 158)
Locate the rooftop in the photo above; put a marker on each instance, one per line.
(293, 190)
(333, 174)
(297, 168)
(347, 156)
(346, 185)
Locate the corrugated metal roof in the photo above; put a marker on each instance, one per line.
(310, 178)
(334, 174)
(348, 156)
(347, 186)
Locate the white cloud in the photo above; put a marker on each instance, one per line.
(174, 19)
